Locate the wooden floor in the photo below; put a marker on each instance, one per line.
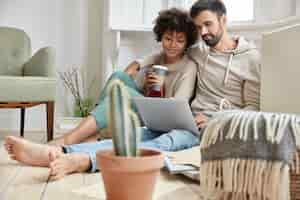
(18, 182)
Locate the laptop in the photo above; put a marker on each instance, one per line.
(165, 114)
(280, 76)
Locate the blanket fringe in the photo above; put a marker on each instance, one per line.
(247, 179)
(250, 179)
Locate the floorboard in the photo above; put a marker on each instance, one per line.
(8, 170)
(27, 184)
(18, 182)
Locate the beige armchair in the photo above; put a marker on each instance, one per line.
(26, 81)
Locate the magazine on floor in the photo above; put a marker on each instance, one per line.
(186, 162)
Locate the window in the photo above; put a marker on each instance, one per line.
(237, 10)
(141, 13)
(134, 13)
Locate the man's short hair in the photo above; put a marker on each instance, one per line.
(216, 6)
(177, 20)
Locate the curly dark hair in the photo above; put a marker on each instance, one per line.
(177, 20)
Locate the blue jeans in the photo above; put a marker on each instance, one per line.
(174, 140)
(100, 111)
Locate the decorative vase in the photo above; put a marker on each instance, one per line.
(130, 178)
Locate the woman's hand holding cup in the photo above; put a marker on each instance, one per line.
(154, 80)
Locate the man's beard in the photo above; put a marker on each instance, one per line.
(214, 39)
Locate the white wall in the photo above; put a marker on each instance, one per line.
(74, 28)
(269, 10)
(297, 6)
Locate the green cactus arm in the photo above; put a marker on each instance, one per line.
(126, 118)
(135, 135)
(119, 121)
(123, 122)
(126, 121)
(115, 126)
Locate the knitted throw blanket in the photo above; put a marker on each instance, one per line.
(248, 154)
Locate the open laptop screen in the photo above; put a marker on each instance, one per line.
(165, 114)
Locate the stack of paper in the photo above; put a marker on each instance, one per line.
(186, 162)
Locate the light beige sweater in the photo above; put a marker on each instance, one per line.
(226, 80)
(180, 80)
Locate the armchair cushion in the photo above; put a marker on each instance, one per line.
(41, 64)
(15, 51)
(27, 89)
(38, 84)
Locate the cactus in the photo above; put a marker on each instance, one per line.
(123, 123)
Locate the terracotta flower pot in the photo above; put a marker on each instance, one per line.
(130, 178)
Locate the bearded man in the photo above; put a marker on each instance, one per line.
(228, 67)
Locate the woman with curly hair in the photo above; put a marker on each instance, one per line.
(176, 32)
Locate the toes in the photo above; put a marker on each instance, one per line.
(54, 163)
(57, 173)
(13, 157)
(57, 177)
(10, 140)
(9, 151)
(10, 144)
(52, 171)
(8, 148)
(54, 168)
(57, 170)
(52, 156)
(7, 145)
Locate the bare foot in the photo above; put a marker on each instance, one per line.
(30, 153)
(69, 163)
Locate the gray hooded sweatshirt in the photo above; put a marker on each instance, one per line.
(226, 80)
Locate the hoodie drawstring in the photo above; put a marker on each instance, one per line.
(204, 65)
(228, 68)
(224, 103)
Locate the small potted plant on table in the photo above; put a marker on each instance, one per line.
(129, 173)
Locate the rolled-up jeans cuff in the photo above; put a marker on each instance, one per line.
(92, 156)
(67, 149)
(93, 161)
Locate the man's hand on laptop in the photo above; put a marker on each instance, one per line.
(201, 120)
